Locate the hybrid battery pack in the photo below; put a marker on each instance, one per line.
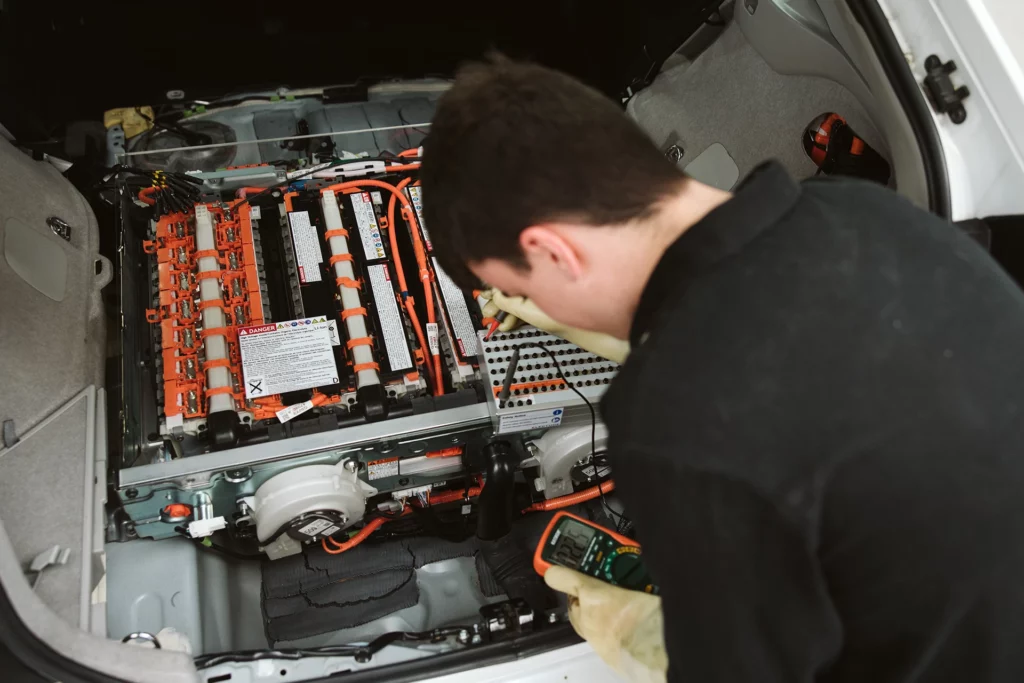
(277, 311)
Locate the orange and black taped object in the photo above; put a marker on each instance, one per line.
(836, 149)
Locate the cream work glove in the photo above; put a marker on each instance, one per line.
(623, 626)
(522, 309)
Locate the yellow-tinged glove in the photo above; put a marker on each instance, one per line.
(134, 120)
(623, 626)
(521, 309)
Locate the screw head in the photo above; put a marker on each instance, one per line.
(237, 476)
(351, 466)
(552, 618)
(463, 636)
(131, 493)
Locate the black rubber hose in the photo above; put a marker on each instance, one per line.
(496, 499)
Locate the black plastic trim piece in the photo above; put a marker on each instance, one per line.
(538, 642)
(871, 18)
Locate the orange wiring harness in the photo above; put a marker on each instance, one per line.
(572, 498)
(144, 195)
(409, 214)
(452, 496)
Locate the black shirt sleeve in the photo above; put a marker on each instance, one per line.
(743, 597)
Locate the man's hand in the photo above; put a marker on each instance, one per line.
(522, 309)
(623, 626)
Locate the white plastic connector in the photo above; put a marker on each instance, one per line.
(201, 528)
(356, 169)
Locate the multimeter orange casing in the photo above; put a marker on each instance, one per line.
(610, 550)
(540, 565)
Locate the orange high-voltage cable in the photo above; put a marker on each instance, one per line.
(421, 258)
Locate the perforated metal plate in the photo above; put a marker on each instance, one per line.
(536, 385)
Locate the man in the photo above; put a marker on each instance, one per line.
(818, 431)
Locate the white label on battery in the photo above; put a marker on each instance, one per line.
(391, 326)
(432, 339)
(366, 220)
(458, 313)
(308, 256)
(315, 527)
(530, 419)
(293, 411)
(377, 199)
(416, 195)
(286, 356)
(379, 469)
(331, 530)
(332, 332)
(254, 213)
(309, 171)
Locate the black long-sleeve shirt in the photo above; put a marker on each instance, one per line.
(820, 438)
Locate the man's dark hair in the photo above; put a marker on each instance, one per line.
(516, 144)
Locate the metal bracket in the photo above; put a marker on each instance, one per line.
(945, 98)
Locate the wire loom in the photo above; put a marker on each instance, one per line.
(361, 653)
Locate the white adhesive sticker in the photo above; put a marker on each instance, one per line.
(458, 313)
(432, 339)
(315, 527)
(390, 321)
(331, 530)
(379, 469)
(286, 356)
(416, 195)
(304, 172)
(308, 256)
(366, 220)
(293, 411)
(531, 419)
(255, 213)
(332, 332)
(377, 199)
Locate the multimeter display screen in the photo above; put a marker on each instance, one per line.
(573, 544)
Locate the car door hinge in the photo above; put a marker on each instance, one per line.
(945, 98)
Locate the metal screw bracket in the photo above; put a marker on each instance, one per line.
(59, 227)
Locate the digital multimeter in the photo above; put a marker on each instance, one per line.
(583, 546)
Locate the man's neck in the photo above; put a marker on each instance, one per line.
(678, 214)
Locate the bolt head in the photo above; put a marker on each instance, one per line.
(131, 493)
(351, 466)
(552, 618)
(463, 636)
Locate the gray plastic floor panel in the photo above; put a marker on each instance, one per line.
(215, 600)
(729, 95)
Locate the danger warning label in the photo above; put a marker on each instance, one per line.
(287, 356)
(458, 313)
(308, 256)
(369, 232)
(416, 195)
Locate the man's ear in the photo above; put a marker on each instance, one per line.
(546, 246)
